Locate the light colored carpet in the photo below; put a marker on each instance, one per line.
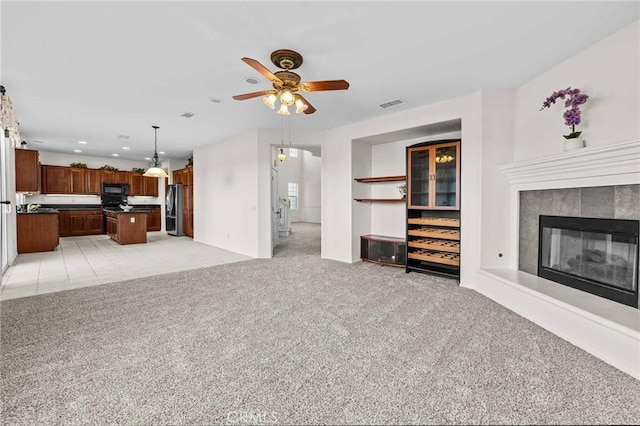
(295, 340)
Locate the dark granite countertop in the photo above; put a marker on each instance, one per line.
(118, 211)
(40, 211)
(95, 206)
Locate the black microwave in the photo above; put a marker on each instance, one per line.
(115, 188)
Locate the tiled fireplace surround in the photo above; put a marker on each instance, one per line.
(590, 182)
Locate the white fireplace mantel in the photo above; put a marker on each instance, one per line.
(608, 330)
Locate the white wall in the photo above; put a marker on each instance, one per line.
(232, 195)
(609, 73)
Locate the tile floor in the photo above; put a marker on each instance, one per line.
(96, 259)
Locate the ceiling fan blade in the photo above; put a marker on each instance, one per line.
(310, 109)
(317, 86)
(253, 95)
(260, 68)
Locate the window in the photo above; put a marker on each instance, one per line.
(292, 192)
(293, 152)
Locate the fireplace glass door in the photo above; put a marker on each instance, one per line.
(601, 260)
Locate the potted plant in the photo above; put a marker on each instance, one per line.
(572, 114)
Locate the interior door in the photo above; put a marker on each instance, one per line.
(275, 210)
(5, 207)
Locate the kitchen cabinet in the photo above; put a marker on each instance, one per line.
(55, 179)
(433, 207)
(81, 222)
(37, 232)
(127, 227)
(93, 181)
(115, 176)
(150, 186)
(185, 177)
(27, 168)
(136, 184)
(154, 221)
(77, 181)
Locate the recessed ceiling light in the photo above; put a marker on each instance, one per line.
(82, 142)
(115, 155)
(216, 100)
(147, 158)
(126, 148)
(161, 152)
(76, 150)
(252, 80)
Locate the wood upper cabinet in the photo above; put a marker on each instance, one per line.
(136, 184)
(27, 170)
(78, 181)
(151, 186)
(94, 181)
(56, 179)
(433, 180)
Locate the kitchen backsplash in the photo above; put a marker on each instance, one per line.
(81, 199)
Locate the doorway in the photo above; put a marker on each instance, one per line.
(5, 207)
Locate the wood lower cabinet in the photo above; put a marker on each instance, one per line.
(74, 223)
(27, 170)
(127, 227)
(37, 232)
(383, 250)
(154, 221)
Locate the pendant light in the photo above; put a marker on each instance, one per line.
(155, 170)
(281, 156)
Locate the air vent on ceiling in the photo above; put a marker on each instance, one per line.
(37, 141)
(123, 136)
(188, 115)
(391, 104)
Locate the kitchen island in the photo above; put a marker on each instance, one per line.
(127, 227)
(37, 231)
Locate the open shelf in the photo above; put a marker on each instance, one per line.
(381, 179)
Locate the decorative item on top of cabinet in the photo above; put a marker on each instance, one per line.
(377, 179)
(27, 170)
(433, 207)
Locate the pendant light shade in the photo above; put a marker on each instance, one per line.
(155, 170)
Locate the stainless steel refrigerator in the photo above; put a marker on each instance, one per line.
(174, 212)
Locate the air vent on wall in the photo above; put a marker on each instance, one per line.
(188, 115)
(391, 104)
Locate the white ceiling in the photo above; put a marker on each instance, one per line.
(91, 71)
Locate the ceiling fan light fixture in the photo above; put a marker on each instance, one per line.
(155, 170)
(284, 110)
(287, 98)
(300, 106)
(270, 100)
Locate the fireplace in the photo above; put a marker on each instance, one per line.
(599, 256)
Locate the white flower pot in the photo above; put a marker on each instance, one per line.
(571, 144)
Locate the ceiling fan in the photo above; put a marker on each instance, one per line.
(287, 85)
